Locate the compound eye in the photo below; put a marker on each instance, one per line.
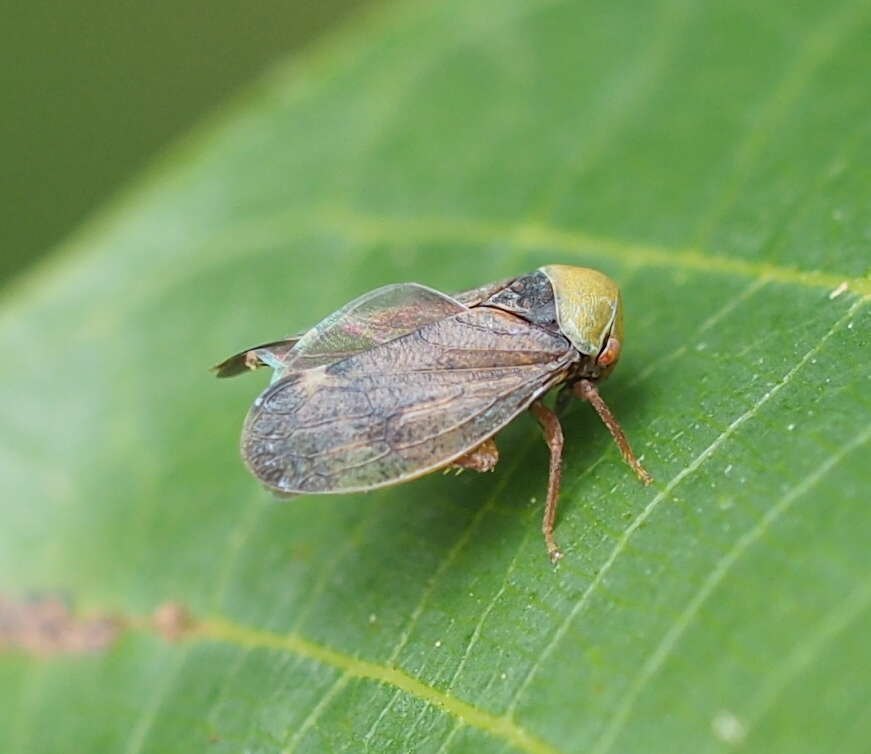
(610, 353)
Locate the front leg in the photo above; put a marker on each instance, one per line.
(553, 436)
(586, 390)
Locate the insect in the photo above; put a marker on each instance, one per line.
(406, 380)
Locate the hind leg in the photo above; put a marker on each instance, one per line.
(482, 458)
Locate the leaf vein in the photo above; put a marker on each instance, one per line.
(317, 711)
(222, 630)
(663, 651)
(527, 236)
(796, 661)
(663, 494)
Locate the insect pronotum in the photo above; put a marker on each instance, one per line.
(405, 380)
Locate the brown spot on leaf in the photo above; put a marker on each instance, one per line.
(172, 621)
(46, 626)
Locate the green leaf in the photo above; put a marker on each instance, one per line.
(712, 158)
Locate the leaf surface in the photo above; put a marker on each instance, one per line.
(712, 158)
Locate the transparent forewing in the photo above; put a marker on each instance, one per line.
(404, 408)
(374, 318)
(273, 355)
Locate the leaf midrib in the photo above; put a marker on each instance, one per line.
(355, 225)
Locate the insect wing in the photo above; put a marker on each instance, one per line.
(374, 318)
(273, 355)
(401, 409)
(477, 296)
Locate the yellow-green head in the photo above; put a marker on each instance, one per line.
(589, 311)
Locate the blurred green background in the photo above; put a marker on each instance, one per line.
(92, 89)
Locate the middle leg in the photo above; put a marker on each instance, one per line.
(553, 436)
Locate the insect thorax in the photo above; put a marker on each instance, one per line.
(530, 297)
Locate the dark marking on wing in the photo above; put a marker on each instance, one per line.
(404, 408)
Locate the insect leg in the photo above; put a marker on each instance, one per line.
(586, 390)
(482, 458)
(553, 436)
